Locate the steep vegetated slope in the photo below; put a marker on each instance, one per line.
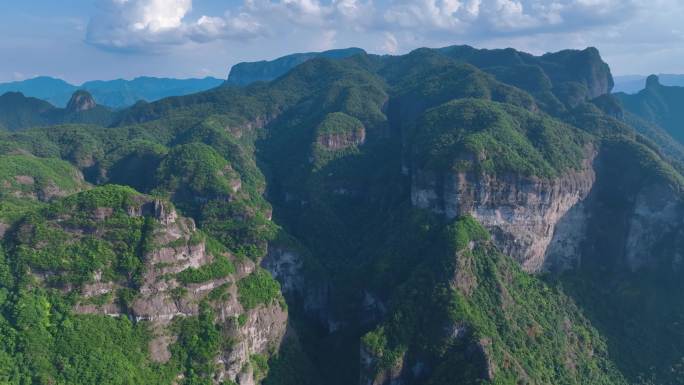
(446, 216)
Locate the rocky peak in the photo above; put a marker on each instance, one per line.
(652, 81)
(81, 101)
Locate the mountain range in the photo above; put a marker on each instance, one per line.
(120, 93)
(112, 93)
(449, 216)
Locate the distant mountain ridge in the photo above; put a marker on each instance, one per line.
(658, 104)
(18, 111)
(116, 94)
(245, 73)
(632, 84)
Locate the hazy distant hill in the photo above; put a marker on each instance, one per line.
(632, 84)
(19, 112)
(112, 93)
(658, 104)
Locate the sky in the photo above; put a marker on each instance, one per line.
(80, 40)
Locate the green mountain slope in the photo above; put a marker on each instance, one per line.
(470, 315)
(446, 216)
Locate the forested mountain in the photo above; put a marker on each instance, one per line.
(245, 73)
(448, 216)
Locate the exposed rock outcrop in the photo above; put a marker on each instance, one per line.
(287, 267)
(520, 212)
(162, 297)
(3, 229)
(81, 101)
(655, 222)
(342, 140)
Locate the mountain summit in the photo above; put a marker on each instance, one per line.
(245, 73)
(81, 101)
(652, 81)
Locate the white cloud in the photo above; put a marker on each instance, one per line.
(151, 24)
(155, 15)
(390, 45)
(491, 17)
(391, 26)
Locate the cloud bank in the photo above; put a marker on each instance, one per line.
(151, 24)
(623, 29)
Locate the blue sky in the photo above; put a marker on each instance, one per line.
(81, 40)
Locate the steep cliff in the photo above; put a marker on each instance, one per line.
(519, 190)
(81, 101)
(112, 252)
(568, 76)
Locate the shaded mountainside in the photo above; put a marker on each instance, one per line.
(447, 216)
(470, 315)
(658, 104)
(111, 93)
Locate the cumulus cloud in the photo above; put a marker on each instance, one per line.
(146, 24)
(391, 26)
(481, 18)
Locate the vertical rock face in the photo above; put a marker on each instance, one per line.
(655, 224)
(584, 67)
(652, 81)
(595, 73)
(564, 250)
(162, 297)
(520, 212)
(286, 266)
(261, 333)
(340, 141)
(81, 101)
